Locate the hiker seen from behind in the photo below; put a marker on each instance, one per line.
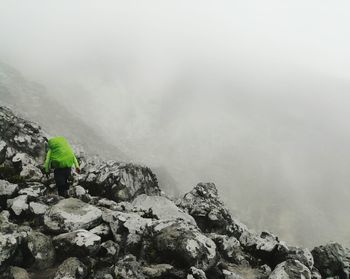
(60, 157)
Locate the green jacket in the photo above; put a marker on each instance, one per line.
(60, 154)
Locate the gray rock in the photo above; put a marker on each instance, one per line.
(229, 247)
(37, 208)
(71, 268)
(332, 260)
(109, 252)
(103, 230)
(161, 208)
(71, 214)
(16, 272)
(7, 189)
(18, 205)
(290, 269)
(9, 239)
(180, 242)
(128, 268)
(119, 181)
(208, 210)
(78, 243)
(196, 273)
(42, 250)
(34, 190)
(157, 270)
(3, 147)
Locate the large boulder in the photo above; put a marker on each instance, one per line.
(332, 260)
(7, 190)
(161, 208)
(181, 243)
(15, 272)
(71, 214)
(78, 243)
(290, 269)
(41, 249)
(208, 210)
(118, 181)
(18, 205)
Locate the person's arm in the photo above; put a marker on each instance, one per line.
(76, 164)
(47, 163)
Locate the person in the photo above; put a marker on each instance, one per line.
(60, 156)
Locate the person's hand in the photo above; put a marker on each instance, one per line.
(77, 170)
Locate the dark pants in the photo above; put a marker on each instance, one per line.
(61, 178)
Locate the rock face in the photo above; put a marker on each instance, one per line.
(209, 212)
(71, 214)
(118, 224)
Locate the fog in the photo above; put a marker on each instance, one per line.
(251, 95)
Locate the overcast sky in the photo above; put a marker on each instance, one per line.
(252, 95)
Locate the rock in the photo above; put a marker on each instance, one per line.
(15, 272)
(180, 243)
(284, 253)
(128, 230)
(3, 148)
(71, 214)
(9, 240)
(161, 208)
(229, 247)
(119, 181)
(78, 243)
(332, 260)
(157, 270)
(7, 190)
(204, 205)
(79, 193)
(128, 268)
(196, 273)
(41, 249)
(34, 191)
(71, 268)
(290, 269)
(31, 173)
(103, 230)
(109, 252)
(37, 208)
(18, 205)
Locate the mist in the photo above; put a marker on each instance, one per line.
(251, 95)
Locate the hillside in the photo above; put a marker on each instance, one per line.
(118, 223)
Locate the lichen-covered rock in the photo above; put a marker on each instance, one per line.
(3, 148)
(109, 252)
(14, 272)
(71, 268)
(229, 248)
(181, 243)
(332, 260)
(103, 230)
(80, 193)
(290, 269)
(78, 243)
(119, 181)
(9, 240)
(34, 190)
(71, 214)
(208, 210)
(7, 190)
(41, 249)
(158, 271)
(196, 273)
(161, 208)
(303, 255)
(37, 208)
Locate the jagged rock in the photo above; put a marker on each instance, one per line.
(9, 240)
(21, 134)
(290, 269)
(229, 247)
(128, 267)
(196, 273)
(161, 208)
(80, 193)
(109, 251)
(104, 231)
(7, 190)
(181, 243)
(303, 255)
(315, 274)
(78, 243)
(18, 205)
(71, 214)
(230, 275)
(41, 249)
(119, 181)
(71, 268)
(332, 260)
(209, 212)
(34, 190)
(127, 229)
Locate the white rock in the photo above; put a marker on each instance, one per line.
(19, 204)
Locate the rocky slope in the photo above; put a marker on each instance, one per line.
(118, 223)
